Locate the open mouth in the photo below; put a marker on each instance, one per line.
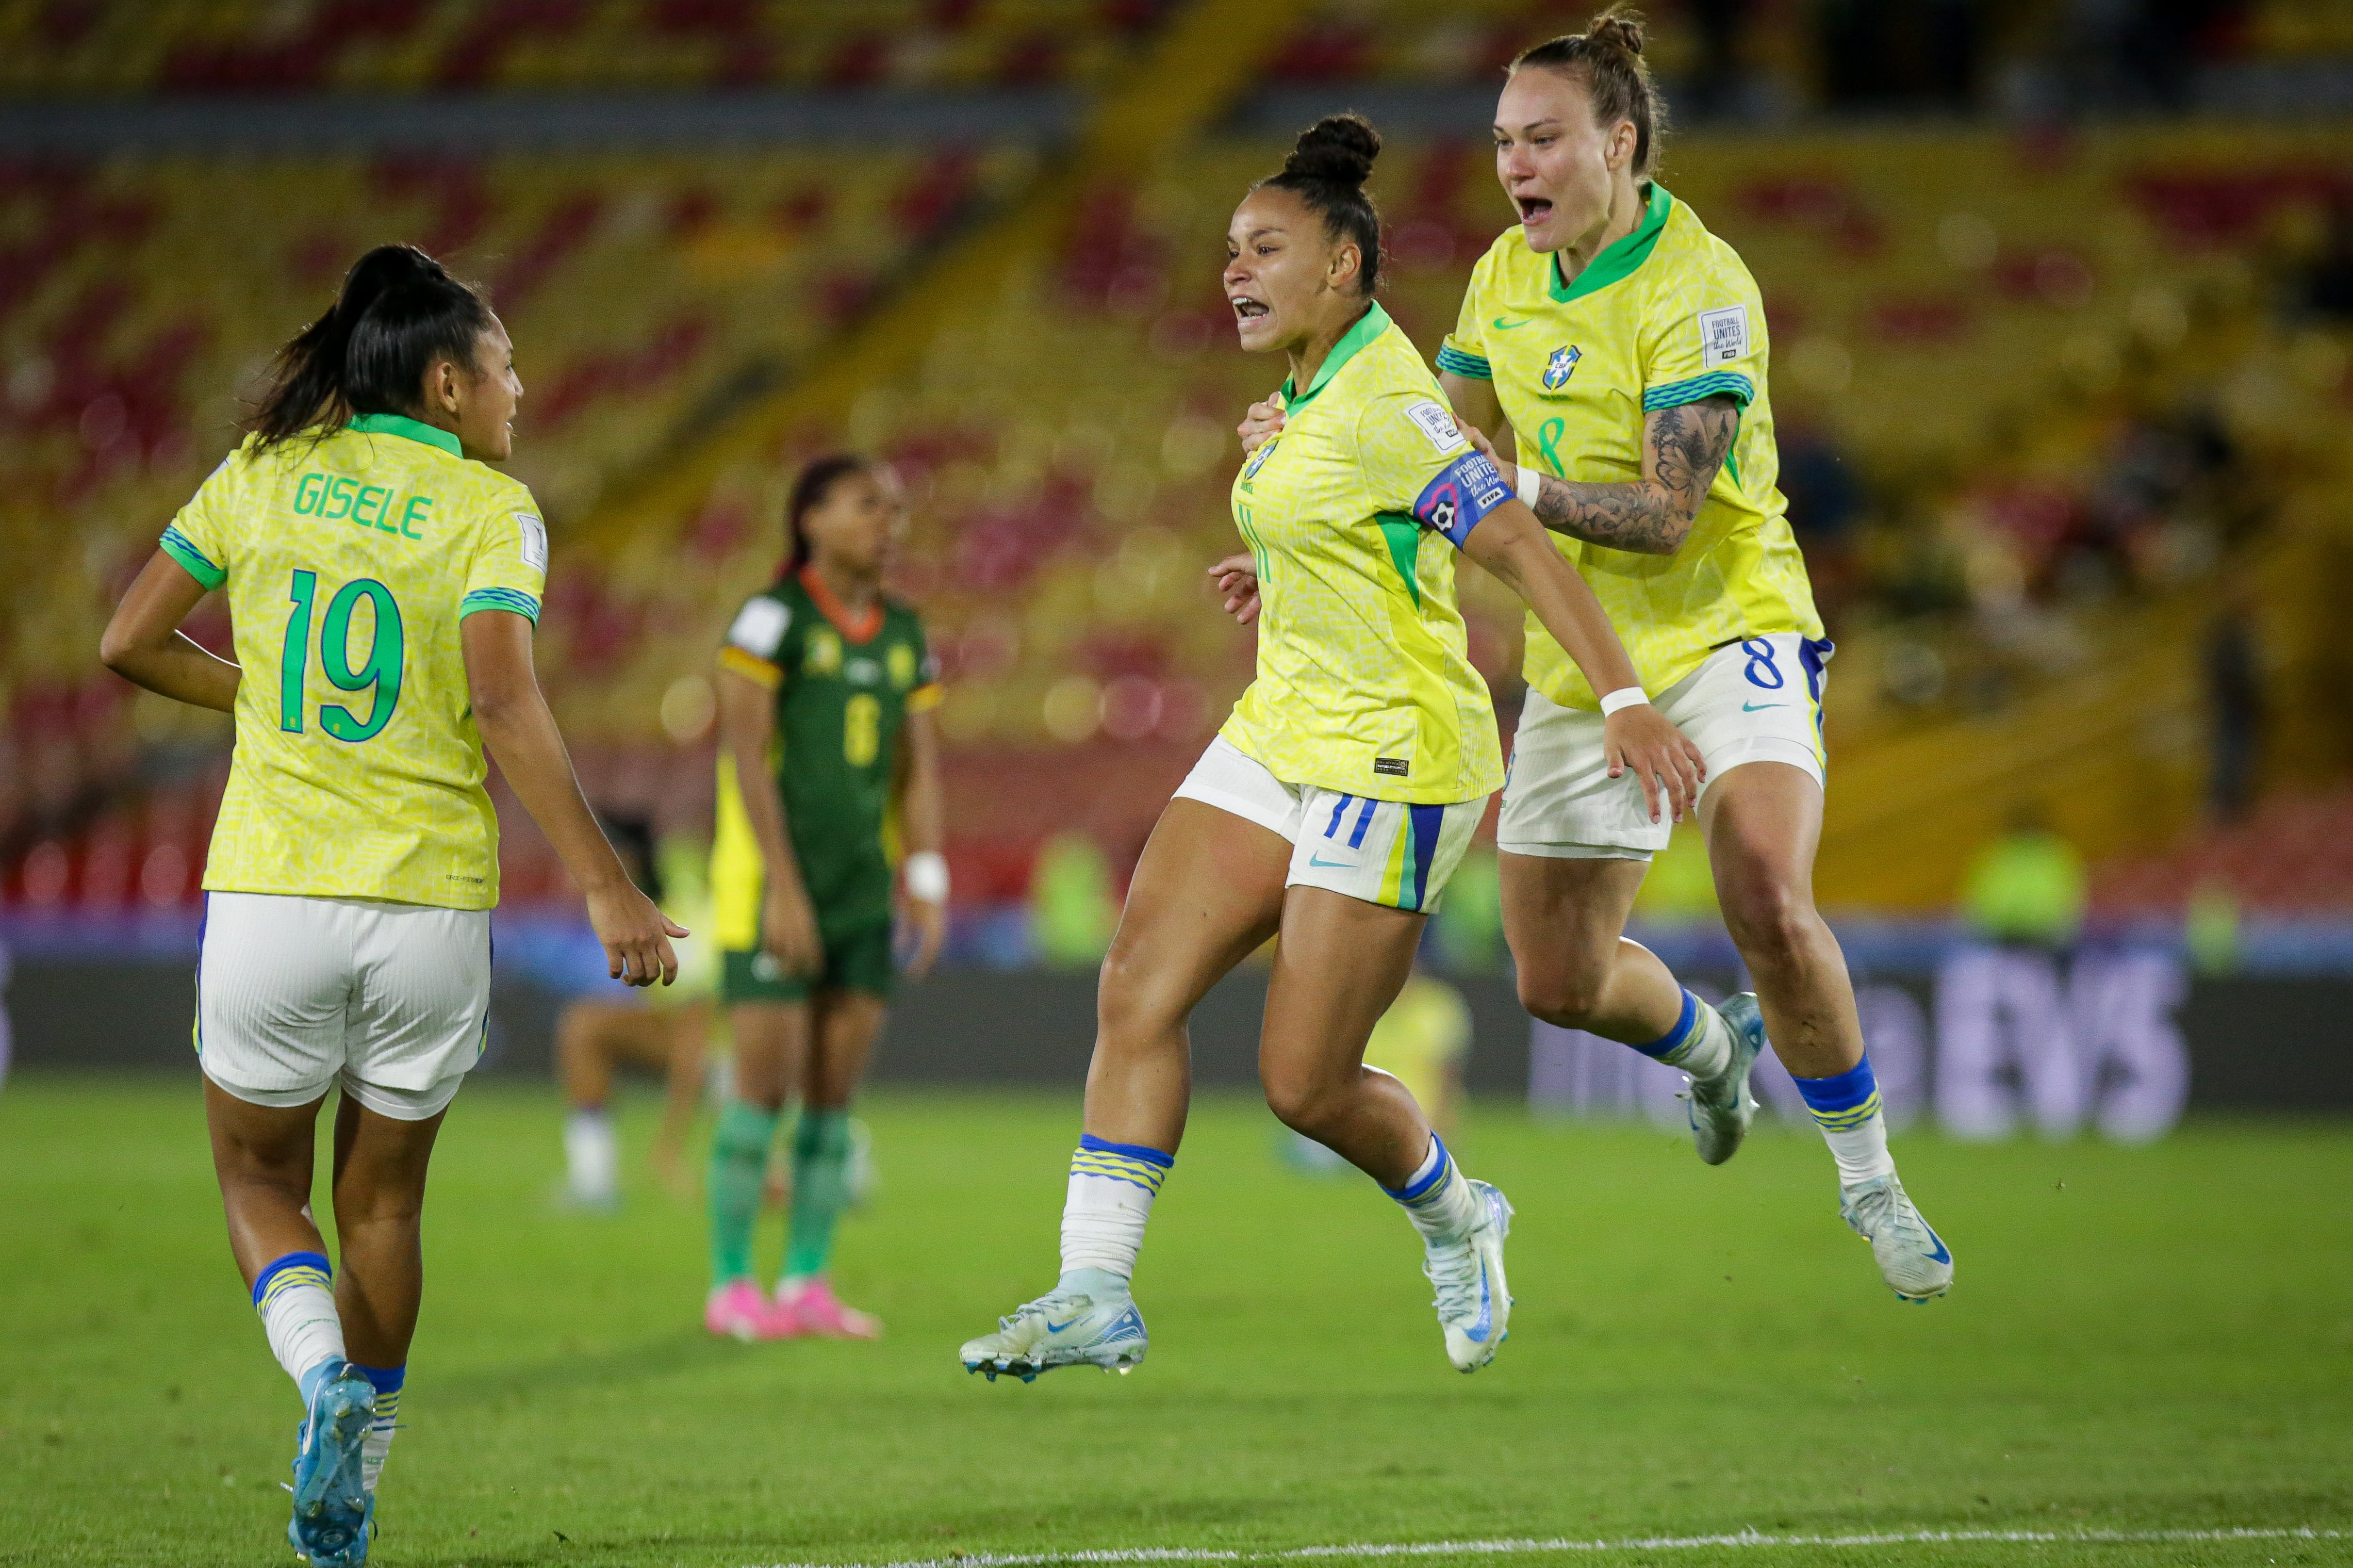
(1247, 310)
(1533, 209)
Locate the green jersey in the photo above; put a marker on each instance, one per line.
(844, 686)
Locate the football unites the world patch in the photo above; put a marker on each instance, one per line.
(1561, 365)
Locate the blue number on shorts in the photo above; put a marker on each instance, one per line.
(380, 670)
(1760, 652)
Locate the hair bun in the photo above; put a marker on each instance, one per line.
(1339, 148)
(1623, 28)
(386, 268)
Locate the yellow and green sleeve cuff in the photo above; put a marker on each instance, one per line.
(1469, 366)
(750, 667)
(1717, 383)
(510, 599)
(183, 549)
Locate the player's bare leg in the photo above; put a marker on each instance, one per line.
(592, 1040)
(1566, 921)
(686, 1038)
(1763, 822)
(845, 1025)
(1207, 893)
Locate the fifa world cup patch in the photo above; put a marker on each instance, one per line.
(1466, 490)
(1723, 335)
(534, 547)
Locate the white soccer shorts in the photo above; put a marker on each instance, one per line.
(295, 994)
(1382, 851)
(1759, 700)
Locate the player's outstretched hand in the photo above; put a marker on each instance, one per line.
(929, 921)
(1264, 420)
(788, 931)
(636, 935)
(1640, 737)
(1237, 578)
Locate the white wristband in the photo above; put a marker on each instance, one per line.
(1624, 696)
(1531, 486)
(926, 871)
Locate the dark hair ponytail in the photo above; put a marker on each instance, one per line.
(399, 313)
(1608, 58)
(1327, 170)
(810, 488)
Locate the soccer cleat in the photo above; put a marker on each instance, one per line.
(813, 1309)
(1062, 1328)
(330, 1527)
(737, 1311)
(1912, 1258)
(1721, 1108)
(1474, 1304)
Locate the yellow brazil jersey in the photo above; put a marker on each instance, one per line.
(349, 561)
(1667, 316)
(1364, 683)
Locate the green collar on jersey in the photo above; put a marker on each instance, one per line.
(413, 429)
(1622, 258)
(1370, 325)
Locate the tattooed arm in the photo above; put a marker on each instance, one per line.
(1683, 448)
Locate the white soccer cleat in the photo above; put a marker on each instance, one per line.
(1060, 1329)
(1721, 1108)
(1474, 1304)
(1912, 1258)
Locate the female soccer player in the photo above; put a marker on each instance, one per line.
(383, 586)
(829, 753)
(1625, 345)
(1342, 792)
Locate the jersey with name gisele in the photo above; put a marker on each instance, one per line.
(1665, 317)
(350, 560)
(1353, 514)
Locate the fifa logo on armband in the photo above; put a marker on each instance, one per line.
(1561, 366)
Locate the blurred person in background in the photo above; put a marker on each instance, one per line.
(666, 1033)
(1625, 346)
(1073, 902)
(1342, 792)
(352, 871)
(2027, 888)
(828, 771)
(2234, 700)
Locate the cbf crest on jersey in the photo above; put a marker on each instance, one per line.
(1561, 366)
(1258, 458)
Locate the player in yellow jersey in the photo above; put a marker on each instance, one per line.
(1625, 345)
(383, 583)
(1339, 796)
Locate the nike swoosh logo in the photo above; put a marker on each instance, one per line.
(1339, 865)
(1054, 1328)
(1756, 707)
(1477, 1332)
(1941, 1255)
(1502, 325)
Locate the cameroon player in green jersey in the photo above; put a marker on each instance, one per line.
(829, 766)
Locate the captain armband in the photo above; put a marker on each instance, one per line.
(1465, 490)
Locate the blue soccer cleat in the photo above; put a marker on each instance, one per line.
(1062, 1328)
(331, 1526)
(1721, 1108)
(1475, 1301)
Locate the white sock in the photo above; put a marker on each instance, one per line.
(1437, 1197)
(296, 1298)
(1700, 1043)
(1847, 1110)
(592, 1157)
(1111, 1194)
(378, 1446)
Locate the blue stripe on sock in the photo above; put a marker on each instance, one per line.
(1674, 1040)
(1095, 1145)
(386, 1379)
(1844, 1092)
(271, 1270)
(1413, 1192)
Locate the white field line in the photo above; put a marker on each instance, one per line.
(1519, 1548)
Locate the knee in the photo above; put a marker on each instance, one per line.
(1306, 1103)
(1566, 994)
(1772, 924)
(1131, 1006)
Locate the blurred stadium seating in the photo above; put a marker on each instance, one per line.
(2050, 396)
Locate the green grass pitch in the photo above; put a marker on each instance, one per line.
(2140, 1340)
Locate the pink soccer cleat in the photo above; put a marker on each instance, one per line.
(737, 1311)
(812, 1307)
